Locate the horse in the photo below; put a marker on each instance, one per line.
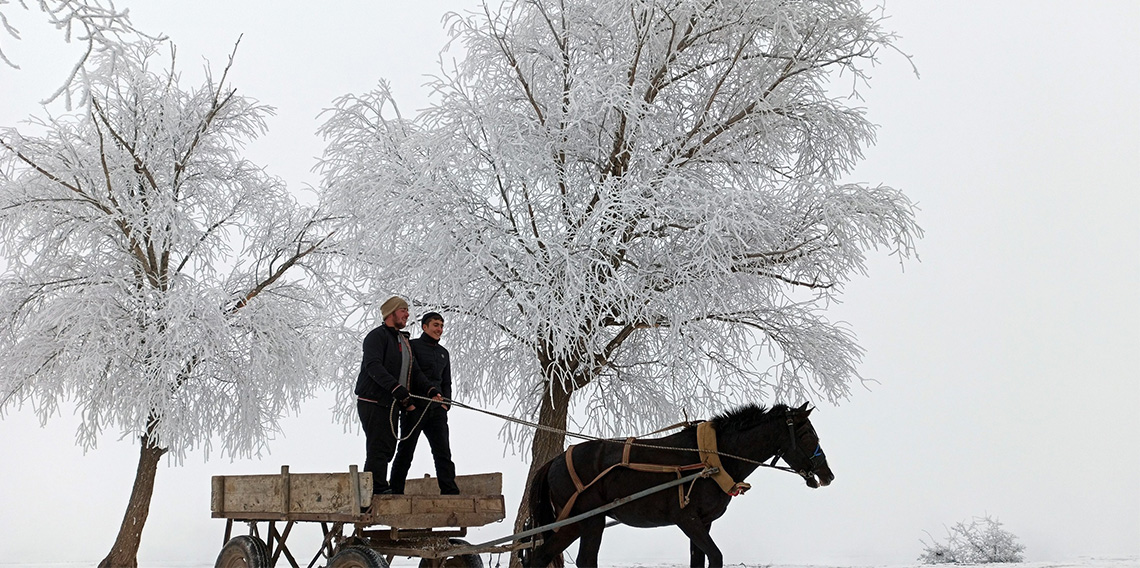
(745, 438)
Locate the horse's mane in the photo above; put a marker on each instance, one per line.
(748, 416)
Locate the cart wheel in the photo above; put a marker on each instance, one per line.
(243, 551)
(465, 561)
(357, 557)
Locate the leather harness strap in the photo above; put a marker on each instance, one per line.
(706, 448)
(573, 474)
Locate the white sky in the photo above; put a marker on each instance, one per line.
(1007, 359)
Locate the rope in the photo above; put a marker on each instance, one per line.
(392, 424)
(587, 437)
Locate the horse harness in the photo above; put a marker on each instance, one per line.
(706, 449)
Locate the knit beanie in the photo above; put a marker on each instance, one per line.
(390, 305)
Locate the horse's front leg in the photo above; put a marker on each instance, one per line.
(696, 555)
(701, 544)
(553, 543)
(591, 542)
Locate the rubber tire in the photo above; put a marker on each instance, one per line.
(357, 557)
(244, 551)
(465, 561)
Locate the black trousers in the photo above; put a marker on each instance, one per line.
(380, 442)
(434, 428)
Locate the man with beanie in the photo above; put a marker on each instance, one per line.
(431, 419)
(388, 374)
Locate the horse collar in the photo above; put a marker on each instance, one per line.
(706, 447)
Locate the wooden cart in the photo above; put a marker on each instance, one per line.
(421, 523)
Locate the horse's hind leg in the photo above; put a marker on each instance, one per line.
(591, 542)
(700, 541)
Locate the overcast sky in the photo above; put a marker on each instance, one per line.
(1006, 361)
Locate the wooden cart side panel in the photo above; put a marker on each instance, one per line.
(251, 494)
(477, 484)
(309, 493)
(322, 493)
(406, 511)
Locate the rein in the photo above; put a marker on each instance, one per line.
(771, 464)
(392, 421)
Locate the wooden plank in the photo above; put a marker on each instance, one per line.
(217, 493)
(336, 497)
(364, 488)
(285, 489)
(418, 511)
(251, 494)
(354, 481)
(428, 552)
(391, 505)
(323, 493)
(433, 520)
(411, 550)
(476, 484)
(281, 496)
(395, 512)
(358, 518)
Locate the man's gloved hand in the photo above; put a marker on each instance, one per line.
(437, 396)
(403, 397)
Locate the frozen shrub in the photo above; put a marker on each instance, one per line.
(938, 553)
(979, 542)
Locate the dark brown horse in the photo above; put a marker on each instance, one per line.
(745, 438)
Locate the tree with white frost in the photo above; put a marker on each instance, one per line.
(96, 24)
(631, 209)
(158, 281)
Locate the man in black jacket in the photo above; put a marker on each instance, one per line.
(435, 361)
(388, 374)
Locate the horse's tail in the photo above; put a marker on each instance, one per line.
(541, 512)
(541, 508)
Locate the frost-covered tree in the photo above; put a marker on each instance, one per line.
(980, 541)
(96, 24)
(158, 281)
(634, 206)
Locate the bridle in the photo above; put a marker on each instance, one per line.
(817, 459)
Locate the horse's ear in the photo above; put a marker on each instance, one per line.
(804, 409)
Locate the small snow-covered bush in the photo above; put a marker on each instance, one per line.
(979, 542)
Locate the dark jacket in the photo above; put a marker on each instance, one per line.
(381, 365)
(435, 361)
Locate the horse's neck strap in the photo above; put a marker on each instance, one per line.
(706, 447)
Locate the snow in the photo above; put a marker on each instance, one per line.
(1081, 562)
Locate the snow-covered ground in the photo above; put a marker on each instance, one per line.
(1083, 562)
(1133, 562)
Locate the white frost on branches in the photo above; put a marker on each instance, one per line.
(979, 542)
(95, 23)
(639, 201)
(162, 283)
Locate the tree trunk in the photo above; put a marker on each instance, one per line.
(553, 413)
(125, 550)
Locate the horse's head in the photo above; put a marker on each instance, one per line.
(802, 451)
